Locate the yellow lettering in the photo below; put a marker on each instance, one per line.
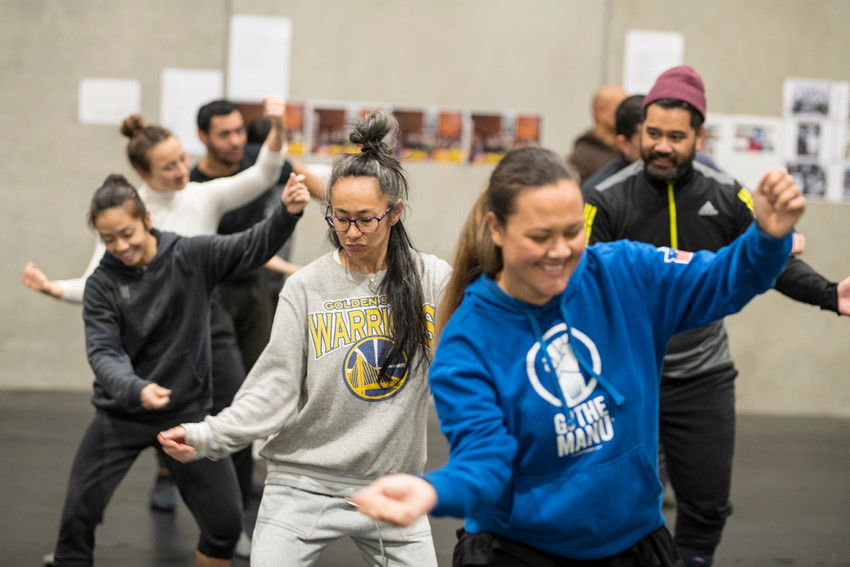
(356, 323)
(373, 322)
(340, 331)
(320, 331)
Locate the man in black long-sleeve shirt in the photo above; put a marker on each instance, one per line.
(669, 199)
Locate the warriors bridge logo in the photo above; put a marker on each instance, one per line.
(590, 424)
(363, 365)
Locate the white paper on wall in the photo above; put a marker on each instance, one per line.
(259, 57)
(745, 146)
(108, 101)
(183, 92)
(647, 55)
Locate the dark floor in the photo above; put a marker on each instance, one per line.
(791, 493)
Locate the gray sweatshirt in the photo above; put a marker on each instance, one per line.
(313, 394)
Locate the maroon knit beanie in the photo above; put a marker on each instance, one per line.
(681, 83)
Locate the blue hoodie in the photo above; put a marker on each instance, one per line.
(581, 483)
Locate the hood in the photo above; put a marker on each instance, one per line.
(165, 241)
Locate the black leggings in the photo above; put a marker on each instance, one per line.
(656, 549)
(107, 451)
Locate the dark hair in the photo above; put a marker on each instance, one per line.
(668, 103)
(259, 130)
(215, 108)
(116, 191)
(143, 137)
(629, 115)
(401, 283)
(477, 254)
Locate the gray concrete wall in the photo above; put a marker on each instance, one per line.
(545, 56)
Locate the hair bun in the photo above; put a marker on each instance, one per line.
(371, 131)
(132, 125)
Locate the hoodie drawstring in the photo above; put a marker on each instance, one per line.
(583, 365)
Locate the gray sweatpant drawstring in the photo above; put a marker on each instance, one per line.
(378, 529)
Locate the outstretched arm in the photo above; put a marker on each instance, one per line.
(801, 282)
(36, 280)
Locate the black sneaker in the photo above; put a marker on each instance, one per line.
(162, 496)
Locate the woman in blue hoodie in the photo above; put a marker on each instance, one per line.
(546, 377)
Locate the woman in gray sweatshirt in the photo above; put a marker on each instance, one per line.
(340, 394)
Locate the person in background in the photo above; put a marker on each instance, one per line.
(340, 395)
(628, 118)
(222, 130)
(546, 374)
(596, 147)
(146, 309)
(670, 199)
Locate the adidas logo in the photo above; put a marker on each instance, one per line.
(707, 210)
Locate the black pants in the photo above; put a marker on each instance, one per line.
(485, 549)
(107, 451)
(228, 373)
(697, 428)
(249, 304)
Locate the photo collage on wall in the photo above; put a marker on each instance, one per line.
(817, 142)
(811, 140)
(426, 134)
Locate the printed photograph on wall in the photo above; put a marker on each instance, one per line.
(416, 133)
(331, 128)
(755, 138)
(811, 177)
(808, 139)
(527, 131)
(490, 140)
(807, 97)
(493, 135)
(449, 140)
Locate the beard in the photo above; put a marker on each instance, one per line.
(680, 165)
(229, 157)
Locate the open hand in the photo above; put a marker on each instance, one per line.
(35, 279)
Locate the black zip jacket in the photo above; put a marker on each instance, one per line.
(152, 324)
(705, 210)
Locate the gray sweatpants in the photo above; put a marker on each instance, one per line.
(294, 526)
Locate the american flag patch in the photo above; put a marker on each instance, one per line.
(671, 255)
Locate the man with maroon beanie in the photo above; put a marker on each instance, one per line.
(669, 199)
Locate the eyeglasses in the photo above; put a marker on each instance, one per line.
(363, 224)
